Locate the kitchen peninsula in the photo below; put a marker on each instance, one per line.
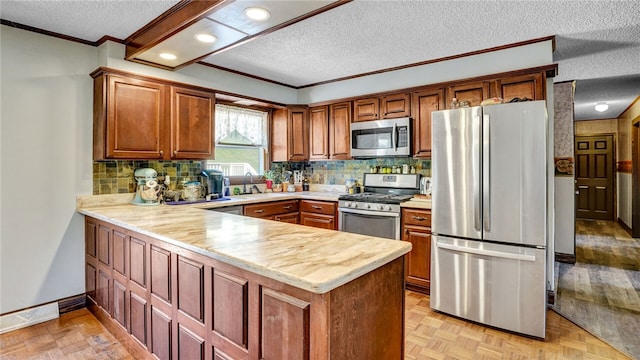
(191, 283)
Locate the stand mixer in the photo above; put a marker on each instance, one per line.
(148, 187)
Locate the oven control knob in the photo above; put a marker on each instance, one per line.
(378, 207)
(347, 204)
(387, 208)
(368, 206)
(355, 205)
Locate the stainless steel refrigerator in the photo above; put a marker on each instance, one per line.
(489, 215)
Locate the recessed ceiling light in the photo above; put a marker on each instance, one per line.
(205, 38)
(168, 56)
(256, 13)
(602, 106)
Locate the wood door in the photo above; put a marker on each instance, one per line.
(192, 124)
(339, 131)
(319, 133)
(279, 133)
(419, 259)
(530, 86)
(594, 177)
(473, 92)
(135, 119)
(395, 105)
(298, 134)
(424, 102)
(366, 109)
(635, 181)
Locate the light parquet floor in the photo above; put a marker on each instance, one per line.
(429, 335)
(601, 291)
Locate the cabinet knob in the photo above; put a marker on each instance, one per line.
(161, 153)
(175, 152)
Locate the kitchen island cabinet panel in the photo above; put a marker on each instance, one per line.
(285, 326)
(90, 282)
(104, 244)
(161, 339)
(191, 288)
(190, 345)
(120, 304)
(230, 307)
(90, 235)
(103, 290)
(161, 273)
(138, 261)
(138, 318)
(119, 252)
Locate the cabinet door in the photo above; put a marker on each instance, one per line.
(298, 133)
(419, 259)
(135, 119)
(396, 105)
(319, 133)
(366, 109)
(474, 93)
(291, 218)
(529, 86)
(318, 220)
(339, 131)
(279, 133)
(192, 124)
(424, 102)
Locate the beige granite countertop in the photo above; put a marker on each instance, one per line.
(316, 260)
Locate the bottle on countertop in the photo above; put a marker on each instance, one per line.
(305, 185)
(454, 104)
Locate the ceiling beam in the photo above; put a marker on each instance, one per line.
(174, 20)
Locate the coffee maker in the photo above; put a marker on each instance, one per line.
(214, 183)
(148, 187)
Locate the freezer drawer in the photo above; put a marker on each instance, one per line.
(498, 285)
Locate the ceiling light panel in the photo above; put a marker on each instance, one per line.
(281, 11)
(185, 46)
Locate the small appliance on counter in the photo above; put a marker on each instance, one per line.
(193, 190)
(148, 187)
(425, 186)
(215, 183)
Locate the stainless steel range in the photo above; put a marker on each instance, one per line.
(376, 211)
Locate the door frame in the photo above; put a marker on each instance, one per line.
(613, 171)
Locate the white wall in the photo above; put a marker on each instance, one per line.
(625, 180)
(45, 160)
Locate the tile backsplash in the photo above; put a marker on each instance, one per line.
(116, 176)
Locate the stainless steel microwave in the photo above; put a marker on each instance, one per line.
(378, 138)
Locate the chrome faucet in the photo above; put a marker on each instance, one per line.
(244, 182)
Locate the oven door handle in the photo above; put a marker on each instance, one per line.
(368, 213)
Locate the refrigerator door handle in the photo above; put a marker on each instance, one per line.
(492, 253)
(476, 175)
(486, 172)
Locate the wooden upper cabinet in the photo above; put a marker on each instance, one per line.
(424, 102)
(366, 109)
(290, 134)
(472, 92)
(531, 86)
(395, 105)
(128, 118)
(140, 118)
(340, 131)
(298, 134)
(319, 133)
(192, 124)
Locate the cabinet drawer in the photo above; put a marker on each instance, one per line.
(271, 208)
(318, 207)
(416, 217)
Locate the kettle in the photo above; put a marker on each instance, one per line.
(425, 185)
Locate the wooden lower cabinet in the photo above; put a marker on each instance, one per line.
(286, 211)
(416, 229)
(320, 214)
(177, 304)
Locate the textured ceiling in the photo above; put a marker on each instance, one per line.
(594, 39)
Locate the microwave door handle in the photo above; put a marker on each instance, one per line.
(395, 137)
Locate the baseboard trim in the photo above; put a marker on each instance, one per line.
(625, 227)
(27, 317)
(566, 258)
